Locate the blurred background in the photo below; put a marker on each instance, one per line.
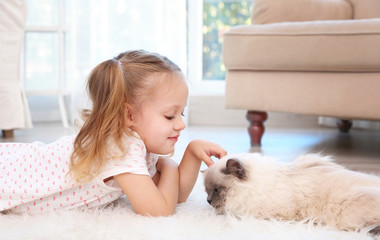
(65, 39)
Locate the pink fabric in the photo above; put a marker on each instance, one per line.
(33, 176)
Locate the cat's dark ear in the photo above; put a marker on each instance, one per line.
(234, 167)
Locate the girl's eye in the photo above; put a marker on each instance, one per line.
(172, 117)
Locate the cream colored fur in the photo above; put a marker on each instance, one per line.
(310, 187)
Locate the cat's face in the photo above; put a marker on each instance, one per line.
(220, 179)
(216, 189)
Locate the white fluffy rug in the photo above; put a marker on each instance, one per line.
(194, 219)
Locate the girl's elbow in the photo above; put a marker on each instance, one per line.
(164, 214)
(159, 213)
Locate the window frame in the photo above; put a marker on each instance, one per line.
(198, 85)
(60, 29)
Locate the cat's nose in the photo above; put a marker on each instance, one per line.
(209, 201)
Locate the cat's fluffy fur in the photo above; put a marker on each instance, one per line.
(310, 187)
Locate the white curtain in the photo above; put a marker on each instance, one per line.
(101, 29)
(14, 111)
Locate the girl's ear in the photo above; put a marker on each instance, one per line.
(129, 112)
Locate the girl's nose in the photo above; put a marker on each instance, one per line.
(180, 124)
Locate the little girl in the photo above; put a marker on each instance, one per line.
(138, 99)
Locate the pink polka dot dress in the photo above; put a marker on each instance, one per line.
(34, 176)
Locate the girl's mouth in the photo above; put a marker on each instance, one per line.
(175, 139)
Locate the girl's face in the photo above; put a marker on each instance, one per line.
(158, 121)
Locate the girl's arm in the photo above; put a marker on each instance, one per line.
(147, 198)
(158, 196)
(197, 151)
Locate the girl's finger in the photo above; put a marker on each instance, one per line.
(208, 161)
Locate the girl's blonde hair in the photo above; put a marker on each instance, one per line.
(112, 85)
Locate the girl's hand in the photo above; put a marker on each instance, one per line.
(204, 150)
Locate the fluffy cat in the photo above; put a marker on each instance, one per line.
(310, 187)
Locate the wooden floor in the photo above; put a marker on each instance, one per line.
(358, 150)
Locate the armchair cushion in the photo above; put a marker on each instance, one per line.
(271, 11)
(334, 46)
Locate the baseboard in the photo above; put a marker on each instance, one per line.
(210, 111)
(46, 108)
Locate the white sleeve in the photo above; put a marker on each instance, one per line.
(135, 161)
(151, 160)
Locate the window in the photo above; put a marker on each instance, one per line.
(65, 39)
(207, 21)
(44, 47)
(44, 50)
(218, 17)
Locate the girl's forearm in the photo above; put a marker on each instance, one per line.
(168, 182)
(197, 151)
(188, 173)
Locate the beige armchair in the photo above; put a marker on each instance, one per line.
(317, 57)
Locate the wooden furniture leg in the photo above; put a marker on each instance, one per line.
(344, 125)
(8, 133)
(256, 127)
